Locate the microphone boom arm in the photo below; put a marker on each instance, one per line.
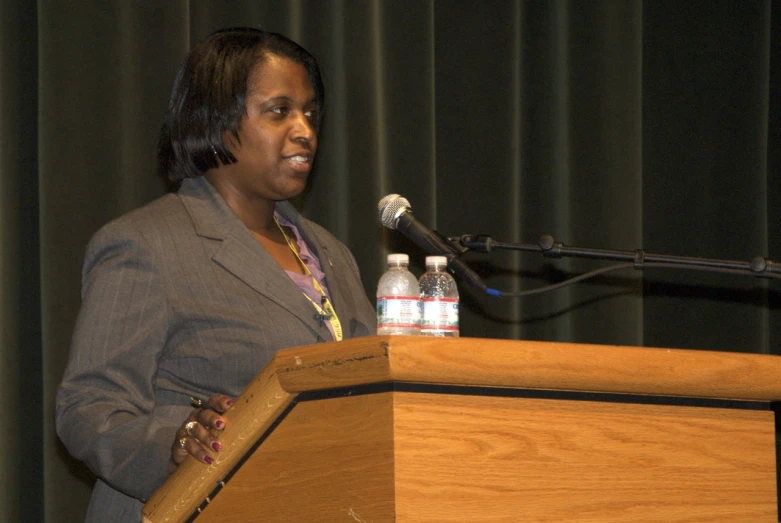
(758, 266)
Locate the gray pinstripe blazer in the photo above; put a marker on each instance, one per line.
(180, 300)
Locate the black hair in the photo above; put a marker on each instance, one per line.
(209, 98)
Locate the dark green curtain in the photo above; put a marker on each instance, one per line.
(615, 125)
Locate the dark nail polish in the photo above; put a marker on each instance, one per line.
(219, 424)
(216, 446)
(229, 403)
(208, 459)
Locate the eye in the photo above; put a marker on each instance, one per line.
(311, 114)
(281, 110)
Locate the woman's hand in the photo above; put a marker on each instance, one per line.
(199, 432)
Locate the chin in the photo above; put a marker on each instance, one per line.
(291, 192)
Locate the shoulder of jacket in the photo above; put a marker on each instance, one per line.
(152, 216)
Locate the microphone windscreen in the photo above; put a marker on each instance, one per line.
(390, 208)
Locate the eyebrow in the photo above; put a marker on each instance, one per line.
(281, 98)
(284, 98)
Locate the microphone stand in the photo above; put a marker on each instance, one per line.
(638, 259)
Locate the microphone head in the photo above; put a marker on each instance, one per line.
(390, 208)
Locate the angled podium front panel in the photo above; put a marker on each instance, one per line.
(410, 429)
(330, 459)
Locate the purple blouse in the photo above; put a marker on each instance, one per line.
(304, 281)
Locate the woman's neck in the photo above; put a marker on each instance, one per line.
(256, 213)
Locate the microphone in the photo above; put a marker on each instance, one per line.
(395, 213)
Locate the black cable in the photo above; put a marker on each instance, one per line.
(619, 266)
(564, 283)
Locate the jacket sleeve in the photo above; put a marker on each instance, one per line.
(105, 404)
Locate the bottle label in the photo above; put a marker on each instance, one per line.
(440, 314)
(398, 311)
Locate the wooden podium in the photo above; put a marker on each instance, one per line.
(416, 429)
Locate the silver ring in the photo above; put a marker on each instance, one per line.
(183, 443)
(196, 402)
(189, 428)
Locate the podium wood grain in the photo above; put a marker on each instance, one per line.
(192, 482)
(485, 459)
(330, 460)
(420, 456)
(532, 365)
(431, 458)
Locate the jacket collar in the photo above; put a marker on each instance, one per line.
(243, 256)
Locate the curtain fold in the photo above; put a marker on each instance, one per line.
(21, 434)
(614, 125)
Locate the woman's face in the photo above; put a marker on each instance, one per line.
(277, 138)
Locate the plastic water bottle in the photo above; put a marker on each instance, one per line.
(439, 299)
(398, 299)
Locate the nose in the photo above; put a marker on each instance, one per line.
(303, 129)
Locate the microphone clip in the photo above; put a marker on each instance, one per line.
(474, 242)
(323, 317)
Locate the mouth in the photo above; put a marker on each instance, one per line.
(300, 162)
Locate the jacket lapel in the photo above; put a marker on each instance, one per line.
(239, 253)
(333, 275)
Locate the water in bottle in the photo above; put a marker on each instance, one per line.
(439, 299)
(398, 299)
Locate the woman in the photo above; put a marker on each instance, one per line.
(191, 295)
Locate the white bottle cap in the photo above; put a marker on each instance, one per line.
(398, 258)
(435, 261)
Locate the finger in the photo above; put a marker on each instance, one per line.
(187, 445)
(210, 419)
(191, 427)
(219, 402)
(202, 431)
(179, 450)
(182, 448)
(178, 453)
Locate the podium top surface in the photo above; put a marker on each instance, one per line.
(530, 365)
